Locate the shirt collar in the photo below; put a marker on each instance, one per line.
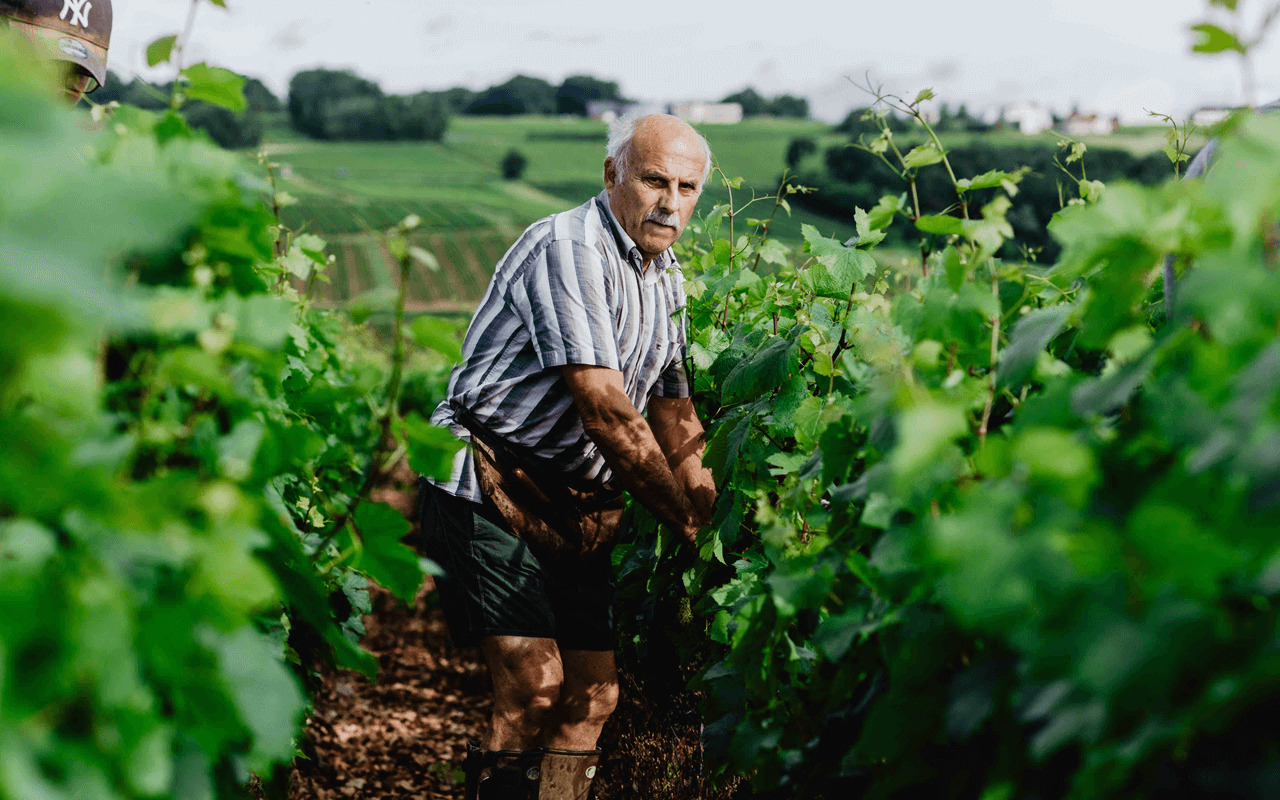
(626, 245)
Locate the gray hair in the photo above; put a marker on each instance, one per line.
(623, 129)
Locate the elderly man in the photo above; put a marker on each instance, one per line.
(579, 332)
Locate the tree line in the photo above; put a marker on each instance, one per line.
(341, 105)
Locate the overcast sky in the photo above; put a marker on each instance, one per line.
(1108, 56)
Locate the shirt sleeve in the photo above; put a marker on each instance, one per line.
(564, 299)
(674, 381)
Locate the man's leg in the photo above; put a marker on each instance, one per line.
(588, 695)
(527, 676)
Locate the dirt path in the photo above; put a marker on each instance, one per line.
(400, 736)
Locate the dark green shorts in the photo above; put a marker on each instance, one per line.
(496, 585)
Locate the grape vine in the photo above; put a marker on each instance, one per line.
(188, 448)
(990, 529)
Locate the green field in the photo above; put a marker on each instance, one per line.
(346, 191)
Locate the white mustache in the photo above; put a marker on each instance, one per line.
(670, 220)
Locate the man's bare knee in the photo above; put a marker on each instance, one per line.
(527, 677)
(591, 704)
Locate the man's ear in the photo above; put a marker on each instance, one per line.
(610, 173)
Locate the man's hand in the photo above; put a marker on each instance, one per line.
(680, 435)
(631, 450)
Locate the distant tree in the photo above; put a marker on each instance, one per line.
(419, 117)
(325, 104)
(786, 105)
(135, 92)
(578, 90)
(854, 124)
(228, 129)
(750, 100)
(260, 98)
(456, 99)
(958, 120)
(328, 104)
(520, 95)
(797, 149)
(513, 164)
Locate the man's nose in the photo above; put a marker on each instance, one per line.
(669, 200)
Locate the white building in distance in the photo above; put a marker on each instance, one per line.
(1090, 125)
(1028, 118)
(609, 110)
(708, 113)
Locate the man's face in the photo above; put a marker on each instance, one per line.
(655, 200)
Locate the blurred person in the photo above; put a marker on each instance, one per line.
(581, 331)
(75, 33)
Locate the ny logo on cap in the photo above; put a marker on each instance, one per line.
(79, 10)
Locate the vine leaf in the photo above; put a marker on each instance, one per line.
(762, 372)
(1030, 336)
(922, 156)
(215, 85)
(160, 50)
(1215, 40)
(839, 267)
(431, 448)
(384, 558)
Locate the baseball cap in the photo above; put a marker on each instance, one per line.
(80, 30)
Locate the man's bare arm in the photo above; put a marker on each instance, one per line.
(680, 435)
(628, 445)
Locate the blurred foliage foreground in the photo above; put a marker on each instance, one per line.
(988, 529)
(185, 452)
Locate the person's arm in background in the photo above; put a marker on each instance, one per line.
(632, 450)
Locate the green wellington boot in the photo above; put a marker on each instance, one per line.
(567, 774)
(542, 774)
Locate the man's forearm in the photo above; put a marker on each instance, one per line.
(680, 435)
(638, 463)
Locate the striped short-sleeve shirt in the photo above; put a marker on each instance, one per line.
(571, 290)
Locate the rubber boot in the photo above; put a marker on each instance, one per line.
(501, 774)
(566, 774)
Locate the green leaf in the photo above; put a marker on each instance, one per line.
(1216, 40)
(839, 267)
(885, 210)
(764, 371)
(941, 224)
(265, 694)
(1028, 339)
(383, 557)
(954, 268)
(362, 306)
(159, 51)
(439, 334)
(924, 94)
(810, 421)
(923, 433)
(431, 447)
(773, 251)
(868, 236)
(215, 85)
(922, 156)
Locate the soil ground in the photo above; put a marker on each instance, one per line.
(404, 735)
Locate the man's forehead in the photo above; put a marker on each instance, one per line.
(668, 143)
